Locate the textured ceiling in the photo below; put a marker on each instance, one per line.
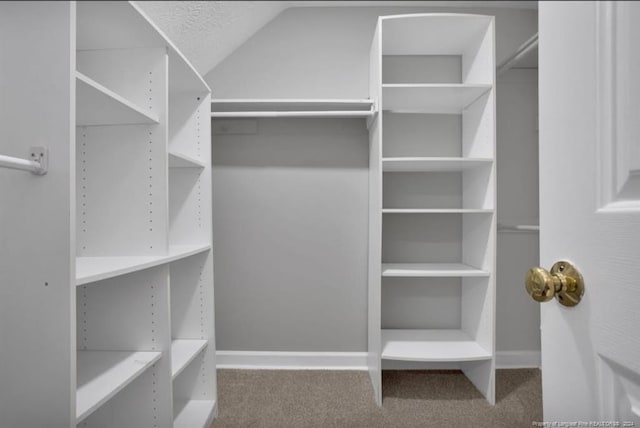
(207, 31)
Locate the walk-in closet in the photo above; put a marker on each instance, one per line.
(190, 187)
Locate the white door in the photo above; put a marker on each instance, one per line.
(590, 208)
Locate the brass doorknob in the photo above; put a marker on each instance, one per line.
(564, 282)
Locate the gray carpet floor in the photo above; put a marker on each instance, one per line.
(445, 398)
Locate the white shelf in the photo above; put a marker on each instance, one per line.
(91, 269)
(430, 98)
(431, 345)
(194, 414)
(102, 374)
(436, 211)
(431, 270)
(427, 164)
(97, 105)
(290, 108)
(183, 352)
(433, 33)
(177, 160)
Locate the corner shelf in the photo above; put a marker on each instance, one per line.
(431, 98)
(433, 164)
(431, 270)
(92, 269)
(102, 374)
(177, 160)
(431, 345)
(183, 352)
(436, 211)
(195, 414)
(98, 105)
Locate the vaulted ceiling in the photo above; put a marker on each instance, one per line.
(208, 31)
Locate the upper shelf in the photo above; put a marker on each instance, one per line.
(97, 105)
(431, 98)
(433, 33)
(122, 25)
(291, 108)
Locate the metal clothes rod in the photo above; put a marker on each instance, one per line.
(523, 50)
(347, 113)
(37, 164)
(519, 227)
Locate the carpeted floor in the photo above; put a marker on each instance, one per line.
(300, 399)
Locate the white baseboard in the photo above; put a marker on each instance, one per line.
(265, 360)
(256, 360)
(517, 359)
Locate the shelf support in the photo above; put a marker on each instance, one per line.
(36, 164)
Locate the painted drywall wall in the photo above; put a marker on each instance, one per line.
(290, 234)
(324, 53)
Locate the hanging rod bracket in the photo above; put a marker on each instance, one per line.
(40, 155)
(37, 162)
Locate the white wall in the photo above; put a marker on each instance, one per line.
(290, 235)
(324, 53)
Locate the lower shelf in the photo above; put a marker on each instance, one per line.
(183, 352)
(102, 374)
(431, 345)
(194, 414)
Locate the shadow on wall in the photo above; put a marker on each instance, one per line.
(293, 143)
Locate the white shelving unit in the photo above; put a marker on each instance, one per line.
(432, 196)
(116, 310)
